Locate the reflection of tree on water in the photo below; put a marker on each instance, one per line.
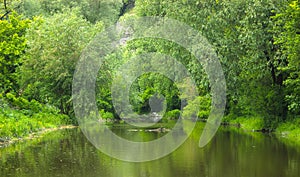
(68, 153)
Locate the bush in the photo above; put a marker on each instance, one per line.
(106, 115)
(20, 117)
(29, 107)
(290, 130)
(249, 123)
(198, 108)
(174, 114)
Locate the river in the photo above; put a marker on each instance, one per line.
(231, 153)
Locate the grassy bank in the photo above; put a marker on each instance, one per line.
(246, 123)
(288, 131)
(15, 124)
(20, 117)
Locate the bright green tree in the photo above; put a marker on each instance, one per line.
(92, 10)
(12, 47)
(54, 47)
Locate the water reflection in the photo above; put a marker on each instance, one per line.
(230, 154)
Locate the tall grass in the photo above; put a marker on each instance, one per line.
(20, 117)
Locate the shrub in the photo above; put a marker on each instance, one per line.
(250, 123)
(106, 115)
(19, 117)
(174, 114)
(198, 108)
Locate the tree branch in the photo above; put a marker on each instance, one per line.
(2, 17)
(5, 5)
(7, 11)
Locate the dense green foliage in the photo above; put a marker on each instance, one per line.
(12, 46)
(91, 10)
(54, 47)
(20, 117)
(257, 42)
(288, 38)
(261, 67)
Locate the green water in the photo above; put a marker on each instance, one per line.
(231, 153)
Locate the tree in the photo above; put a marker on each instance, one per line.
(54, 46)
(92, 10)
(287, 28)
(241, 34)
(12, 47)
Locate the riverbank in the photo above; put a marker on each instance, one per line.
(19, 125)
(30, 128)
(288, 131)
(35, 135)
(20, 118)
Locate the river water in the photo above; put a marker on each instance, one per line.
(231, 153)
